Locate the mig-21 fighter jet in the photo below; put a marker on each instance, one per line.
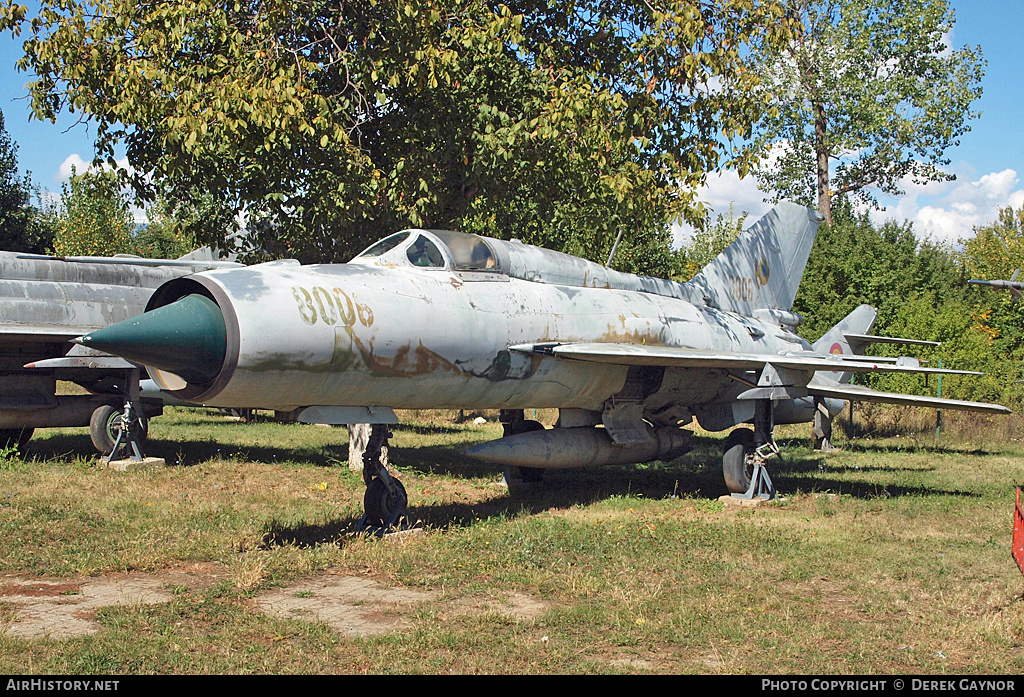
(440, 319)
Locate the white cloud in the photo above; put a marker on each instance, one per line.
(721, 191)
(949, 211)
(945, 211)
(74, 160)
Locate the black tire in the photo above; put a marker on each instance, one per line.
(104, 427)
(738, 472)
(382, 507)
(15, 437)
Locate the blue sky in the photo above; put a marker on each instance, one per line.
(988, 163)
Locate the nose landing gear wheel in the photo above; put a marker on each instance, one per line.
(105, 427)
(383, 507)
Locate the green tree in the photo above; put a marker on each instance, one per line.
(168, 233)
(868, 96)
(920, 291)
(93, 219)
(708, 243)
(997, 249)
(333, 123)
(23, 227)
(994, 252)
(853, 261)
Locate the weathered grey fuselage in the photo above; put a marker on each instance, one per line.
(380, 332)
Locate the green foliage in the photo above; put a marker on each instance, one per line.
(331, 124)
(708, 243)
(993, 253)
(93, 219)
(23, 227)
(169, 233)
(919, 289)
(854, 262)
(997, 249)
(867, 97)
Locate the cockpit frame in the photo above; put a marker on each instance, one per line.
(468, 256)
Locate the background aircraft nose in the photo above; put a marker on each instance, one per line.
(186, 337)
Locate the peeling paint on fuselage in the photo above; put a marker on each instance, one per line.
(423, 338)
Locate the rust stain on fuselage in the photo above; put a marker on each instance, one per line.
(408, 361)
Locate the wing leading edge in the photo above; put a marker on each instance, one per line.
(671, 357)
(859, 393)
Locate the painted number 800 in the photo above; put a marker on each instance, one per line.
(330, 307)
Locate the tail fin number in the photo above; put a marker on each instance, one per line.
(741, 289)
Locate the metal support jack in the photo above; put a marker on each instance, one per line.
(760, 483)
(765, 448)
(131, 421)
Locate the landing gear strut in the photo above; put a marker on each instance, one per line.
(747, 452)
(106, 426)
(121, 433)
(385, 504)
(519, 480)
(822, 427)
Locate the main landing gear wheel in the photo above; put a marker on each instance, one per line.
(736, 462)
(105, 427)
(385, 508)
(747, 452)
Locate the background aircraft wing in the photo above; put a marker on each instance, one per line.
(40, 332)
(129, 260)
(858, 393)
(673, 357)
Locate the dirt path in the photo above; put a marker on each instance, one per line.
(350, 605)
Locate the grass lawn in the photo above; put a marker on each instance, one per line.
(891, 556)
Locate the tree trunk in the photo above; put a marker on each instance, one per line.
(821, 154)
(360, 438)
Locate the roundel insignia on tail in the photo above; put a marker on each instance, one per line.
(837, 348)
(762, 272)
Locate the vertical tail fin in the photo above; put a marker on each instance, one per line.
(763, 267)
(835, 340)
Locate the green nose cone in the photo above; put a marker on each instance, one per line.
(187, 338)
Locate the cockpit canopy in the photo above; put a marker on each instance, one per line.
(476, 258)
(440, 249)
